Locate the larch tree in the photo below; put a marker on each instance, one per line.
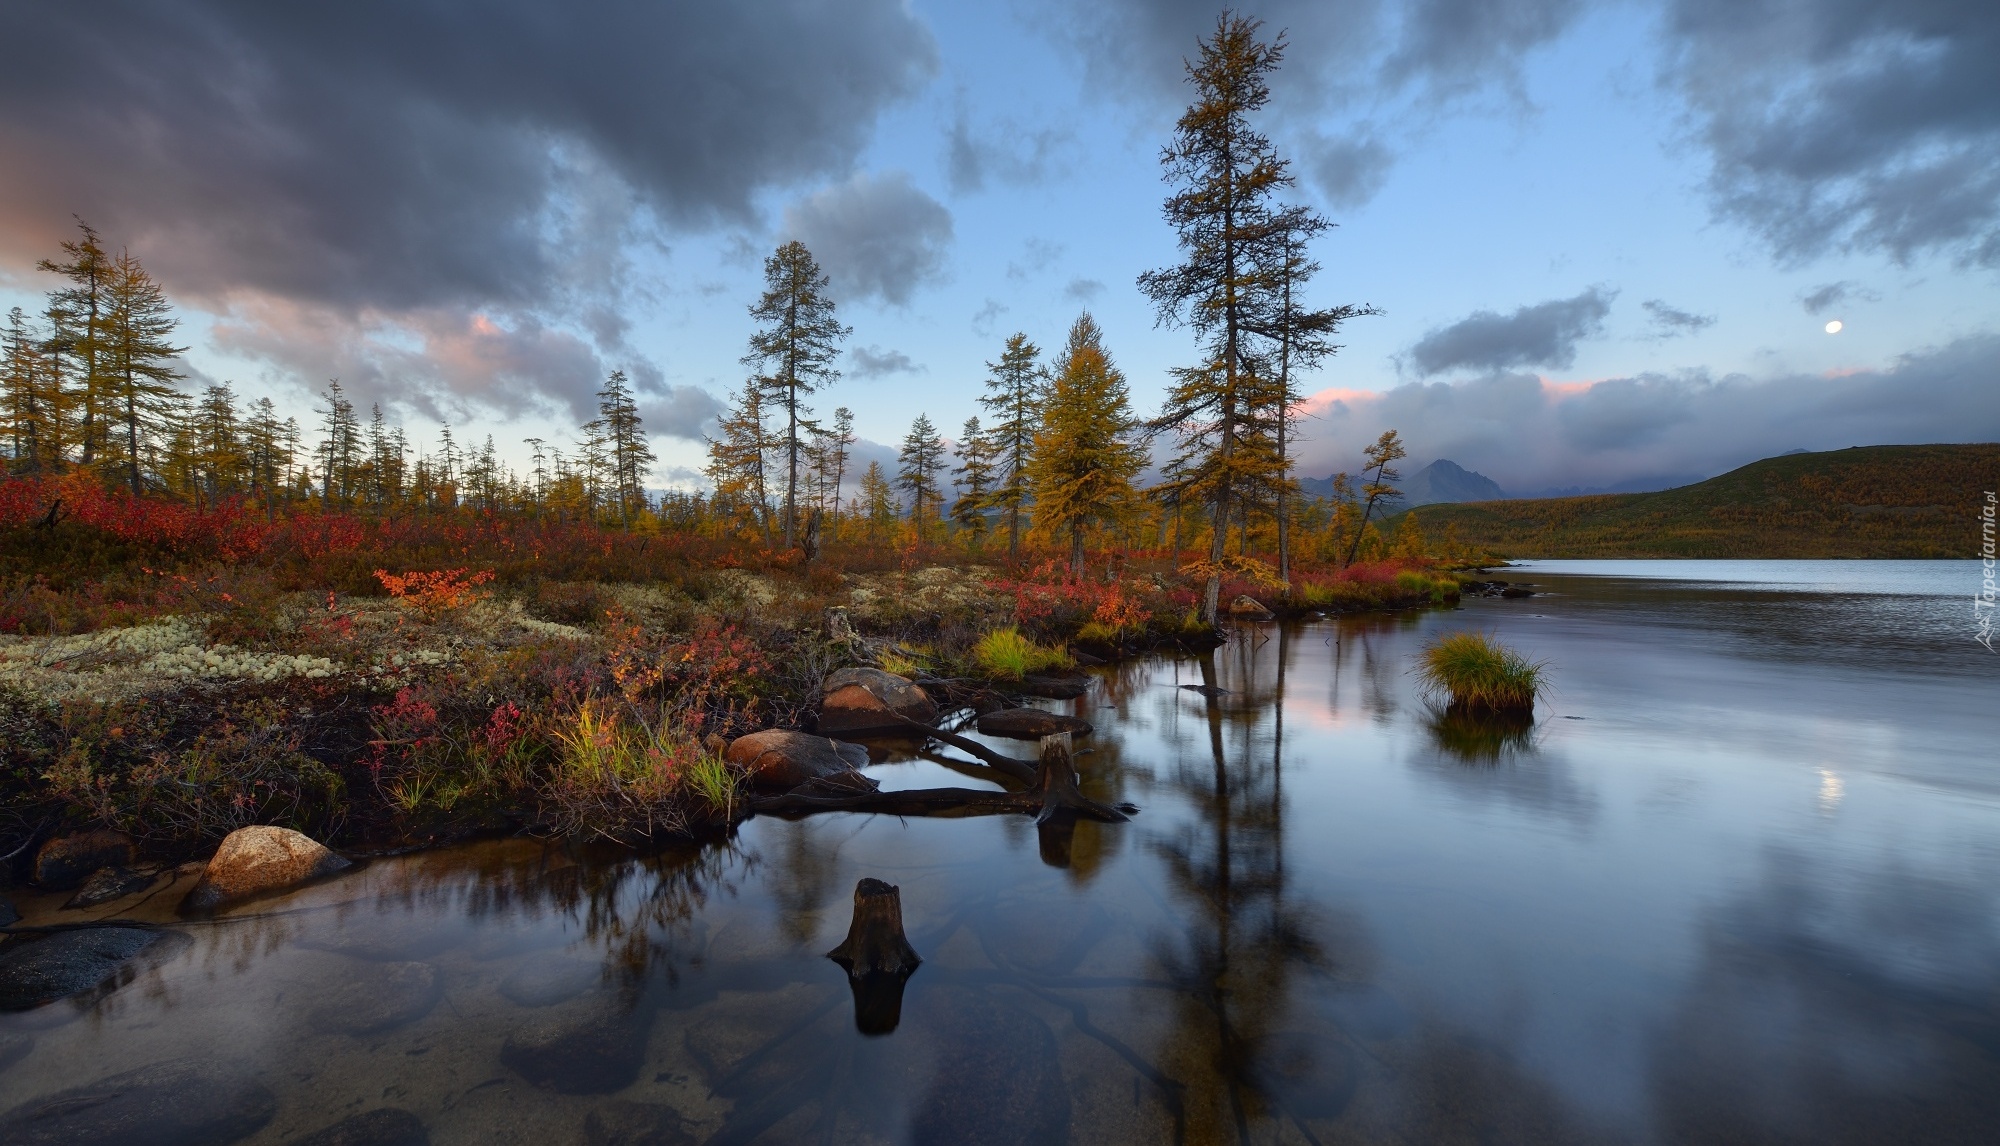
(339, 448)
(1085, 457)
(77, 314)
(1225, 173)
(1014, 397)
(974, 475)
(628, 455)
(737, 458)
(918, 466)
(876, 501)
(138, 355)
(32, 395)
(794, 350)
(1386, 452)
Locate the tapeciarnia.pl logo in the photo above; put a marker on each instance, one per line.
(1983, 601)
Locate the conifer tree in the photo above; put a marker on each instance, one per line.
(33, 401)
(974, 474)
(919, 464)
(1386, 452)
(137, 357)
(339, 447)
(1225, 173)
(77, 315)
(263, 449)
(1084, 458)
(218, 446)
(1014, 396)
(628, 455)
(737, 459)
(876, 501)
(794, 349)
(838, 442)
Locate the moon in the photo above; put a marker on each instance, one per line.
(1833, 327)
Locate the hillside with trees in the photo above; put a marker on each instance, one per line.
(1867, 501)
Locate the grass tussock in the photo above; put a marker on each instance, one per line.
(1480, 674)
(1007, 655)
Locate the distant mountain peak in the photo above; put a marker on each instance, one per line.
(1441, 481)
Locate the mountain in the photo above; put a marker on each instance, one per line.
(1866, 501)
(1441, 481)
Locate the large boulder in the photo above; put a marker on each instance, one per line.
(383, 1126)
(778, 759)
(370, 998)
(173, 1103)
(1248, 608)
(861, 700)
(595, 1047)
(1030, 724)
(69, 963)
(252, 861)
(66, 862)
(550, 978)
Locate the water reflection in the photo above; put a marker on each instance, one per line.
(1745, 898)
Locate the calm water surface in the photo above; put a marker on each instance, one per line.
(1739, 883)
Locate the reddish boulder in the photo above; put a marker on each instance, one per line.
(1248, 608)
(252, 861)
(862, 700)
(64, 863)
(1030, 724)
(779, 760)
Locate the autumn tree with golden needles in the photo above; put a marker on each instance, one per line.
(1014, 397)
(1386, 452)
(1084, 459)
(974, 475)
(918, 467)
(137, 355)
(1225, 173)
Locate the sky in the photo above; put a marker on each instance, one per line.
(1607, 238)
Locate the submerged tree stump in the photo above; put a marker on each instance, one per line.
(878, 957)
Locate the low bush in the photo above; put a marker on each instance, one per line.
(1007, 655)
(1480, 674)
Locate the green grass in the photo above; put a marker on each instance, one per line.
(1869, 501)
(1480, 674)
(1007, 655)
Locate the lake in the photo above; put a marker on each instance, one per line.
(1739, 882)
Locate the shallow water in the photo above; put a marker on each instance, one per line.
(1737, 883)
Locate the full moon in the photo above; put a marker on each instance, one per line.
(1833, 327)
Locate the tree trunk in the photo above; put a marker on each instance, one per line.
(877, 956)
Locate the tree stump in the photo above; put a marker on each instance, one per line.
(878, 957)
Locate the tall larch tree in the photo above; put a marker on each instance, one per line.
(974, 475)
(875, 501)
(77, 314)
(1014, 397)
(918, 466)
(1380, 457)
(737, 458)
(628, 455)
(793, 350)
(1225, 173)
(34, 403)
(138, 356)
(1085, 458)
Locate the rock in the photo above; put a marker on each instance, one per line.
(778, 759)
(376, 997)
(181, 1102)
(68, 963)
(1018, 1096)
(14, 1046)
(547, 979)
(595, 1048)
(385, 1126)
(1248, 608)
(618, 1123)
(855, 700)
(64, 863)
(109, 883)
(1054, 687)
(252, 861)
(1030, 724)
(8, 916)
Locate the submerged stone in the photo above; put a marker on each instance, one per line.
(385, 1126)
(547, 979)
(996, 1077)
(64, 863)
(376, 997)
(617, 1123)
(14, 1046)
(181, 1102)
(38, 971)
(594, 1048)
(109, 883)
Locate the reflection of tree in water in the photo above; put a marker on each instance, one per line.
(1246, 938)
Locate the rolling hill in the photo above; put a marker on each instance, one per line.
(1867, 501)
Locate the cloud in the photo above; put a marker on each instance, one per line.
(985, 319)
(1544, 334)
(1083, 290)
(1842, 126)
(1672, 321)
(1010, 155)
(878, 236)
(1037, 255)
(875, 362)
(681, 412)
(1458, 46)
(1348, 171)
(1529, 434)
(1823, 298)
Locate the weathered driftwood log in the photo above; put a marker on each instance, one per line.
(877, 956)
(1054, 791)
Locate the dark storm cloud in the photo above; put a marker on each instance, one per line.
(1458, 46)
(1544, 334)
(878, 236)
(1849, 125)
(401, 155)
(1527, 434)
(875, 362)
(1671, 320)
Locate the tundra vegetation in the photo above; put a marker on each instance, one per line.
(213, 615)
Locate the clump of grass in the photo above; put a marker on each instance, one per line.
(1006, 654)
(1480, 674)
